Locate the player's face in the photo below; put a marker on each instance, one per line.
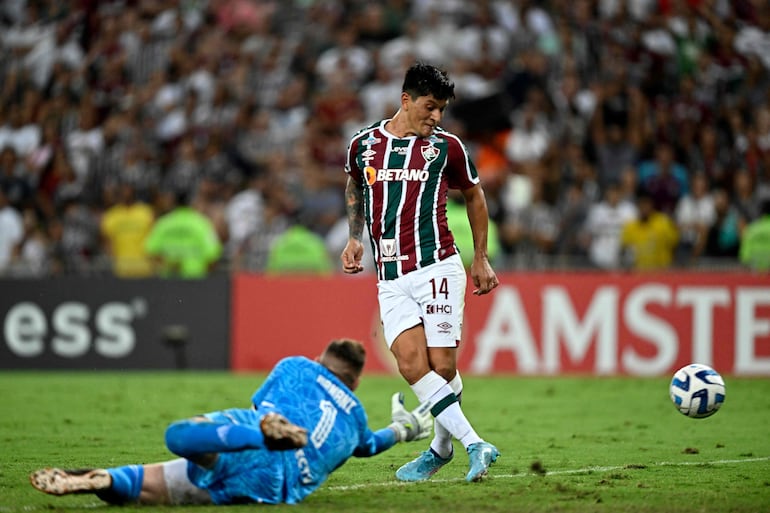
(424, 114)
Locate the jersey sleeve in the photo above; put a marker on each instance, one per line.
(351, 165)
(373, 443)
(460, 171)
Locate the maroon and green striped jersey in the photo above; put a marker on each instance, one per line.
(405, 184)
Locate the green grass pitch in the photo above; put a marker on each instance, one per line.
(568, 444)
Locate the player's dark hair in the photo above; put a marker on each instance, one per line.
(351, 355)
(424, 80)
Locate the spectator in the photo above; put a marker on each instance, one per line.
(745, 198)
(628, 184)
(377, 95)
(290, 115)
(139, 168)
(13, 178)
(403, 48)
(181, 178)
(252, 255)
(695, 213)
(616, 132)
(183, 242)
(603, 227)
(34, 259)
(529, 234)
(77, 240)
(664, 179)
(244, 214)
(754, 40)
(40, 158)
(298, 251)
(573, 205)
(125, 227)
(85, 142)
(723, 236)
(345, 57)
(529, 140)
(712, 157)
(649, 241)
(11, 232)
(575, 107)
(24, 134)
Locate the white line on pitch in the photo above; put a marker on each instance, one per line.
(585, 470)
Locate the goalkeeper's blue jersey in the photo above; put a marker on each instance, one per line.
(311, 396)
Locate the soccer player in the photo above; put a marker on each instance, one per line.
(399, 171)
(304, 423)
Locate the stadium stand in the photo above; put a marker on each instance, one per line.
(558, 100)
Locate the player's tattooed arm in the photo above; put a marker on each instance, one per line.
(354, 205)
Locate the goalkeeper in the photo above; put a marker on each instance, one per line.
(305, 422)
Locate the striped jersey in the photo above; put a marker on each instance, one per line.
(405, 184)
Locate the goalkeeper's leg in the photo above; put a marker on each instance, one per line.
(158, 483)
(201, 438)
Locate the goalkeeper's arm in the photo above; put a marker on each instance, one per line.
(406, 426)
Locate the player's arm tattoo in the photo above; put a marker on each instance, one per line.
(354, 205)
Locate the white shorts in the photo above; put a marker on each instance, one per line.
(180, 489)
(433, 296)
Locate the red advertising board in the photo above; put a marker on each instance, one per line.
(542, 324)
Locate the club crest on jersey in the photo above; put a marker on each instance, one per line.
(429, 153)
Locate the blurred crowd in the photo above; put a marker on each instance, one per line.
(607, 133)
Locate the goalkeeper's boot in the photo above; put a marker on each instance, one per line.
(482, 455)
(56, 481)
(422, 467)
(280, 434)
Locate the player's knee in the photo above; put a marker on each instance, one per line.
(412, 371)
(447, 371)
(176, 437)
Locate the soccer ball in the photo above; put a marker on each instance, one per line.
(697, 390)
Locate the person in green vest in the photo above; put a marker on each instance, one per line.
(458, 222)
(755, 242)
(183, 242)
(298, 250)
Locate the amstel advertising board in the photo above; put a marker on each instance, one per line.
(532, 324)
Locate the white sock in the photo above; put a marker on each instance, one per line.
(442, 439)
(445, 408)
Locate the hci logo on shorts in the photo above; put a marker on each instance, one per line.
(438, 309)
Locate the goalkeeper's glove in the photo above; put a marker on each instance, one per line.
(410, 425)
